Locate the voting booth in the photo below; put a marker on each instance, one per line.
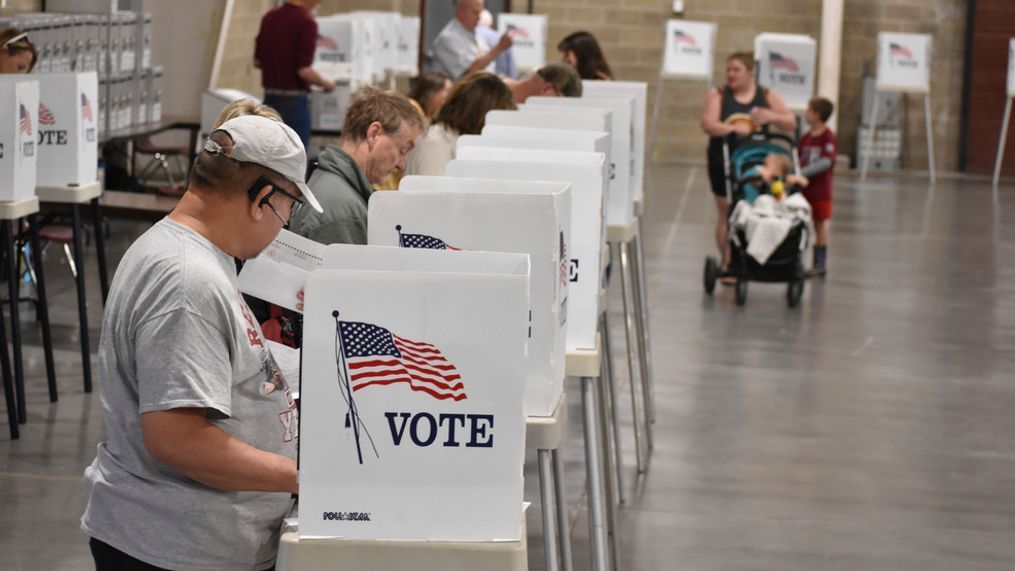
(408, 46)
(19, 101)
(903, 67)
(470, 221)
(688, 53)
(529, 31)
(410, 387)
(638, 90)
(67, 137)
(532, 138)
(337, 53)
(620, 209)
(584, 171)
(785, 64)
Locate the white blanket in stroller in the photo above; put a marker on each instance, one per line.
(767, 222)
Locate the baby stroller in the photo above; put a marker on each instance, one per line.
(785, 265)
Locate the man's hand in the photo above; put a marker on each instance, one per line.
(507, 39)
(762, 115)
(328, 86)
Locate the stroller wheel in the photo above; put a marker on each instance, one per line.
(711, 273)
(741, 293)
(794, 290)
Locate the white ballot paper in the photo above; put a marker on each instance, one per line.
(279, 272)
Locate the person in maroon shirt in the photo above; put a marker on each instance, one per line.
(817, 157)
(284, 51)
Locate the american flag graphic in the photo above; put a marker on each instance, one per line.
(25, 126)
(518, 32)
(374, 355)
(326, 43)
(86, 108)
(45, 115)
(896, 50)
(684, 38)
(422, 241)
(779, 61)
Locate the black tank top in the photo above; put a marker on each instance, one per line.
(730, 106)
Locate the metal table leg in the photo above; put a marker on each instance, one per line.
(42, 304)
(611, 383)
(636, 423)
(86, 358)
(563, 523)
(639, 260)
(12, 405)
(639, 328)
(546, 496)
(594, 481)
(13, 293)
(100, 248)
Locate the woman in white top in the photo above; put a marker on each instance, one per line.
(463, 113)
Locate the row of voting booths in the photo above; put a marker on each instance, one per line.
(48, 152)
(436, 355)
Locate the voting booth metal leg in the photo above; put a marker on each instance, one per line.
(563, 522)
(930, 138)
(100, 248)
(609, 497)
(13, 279)
(42, 304)
(1002, 142)
(86, 360)
(641, 321)
(12, 404)
(624, 286)
(614, 426)
(865, 163)
(546, 493)
(594, 480)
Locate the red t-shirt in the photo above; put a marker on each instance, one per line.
(285, 44)
(812, 148)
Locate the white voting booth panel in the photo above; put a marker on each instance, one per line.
(411, 405)
(213, 101)
(408, 46)
(67, 137)
(336, 51)
(19, 100)
(622, 110)
(786, 65)
(689, 49)
(584, 171)
(529, 38)
(550, 139)
(904, 62)
(585, 239)
(387, 25)
(328, 109)
(472, 221)
(638, 90)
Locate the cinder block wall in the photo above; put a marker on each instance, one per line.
(631, 33)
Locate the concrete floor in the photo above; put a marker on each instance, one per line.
(869, 428)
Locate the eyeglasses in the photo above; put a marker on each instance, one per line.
(297, 203)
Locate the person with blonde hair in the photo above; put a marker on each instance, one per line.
(17, 52)
(246, 106)
(379, 130)
(464, 113)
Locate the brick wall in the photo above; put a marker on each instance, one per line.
(631, 33)
(14, 6)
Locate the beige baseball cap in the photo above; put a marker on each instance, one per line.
(271, 144)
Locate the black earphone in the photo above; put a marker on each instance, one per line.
(260, 183)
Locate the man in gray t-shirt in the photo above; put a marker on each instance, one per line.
(198, 467)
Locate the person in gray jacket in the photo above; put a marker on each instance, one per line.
(380, 129)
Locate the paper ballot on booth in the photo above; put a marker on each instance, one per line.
(67, 137)
(469, 221)
(904, 62)
(585, 174)
(786, 65)
(19, 101)
(638, 90)
(622, 140)
(411, 412)
(280, 271)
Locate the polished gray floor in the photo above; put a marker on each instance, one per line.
(870, 428)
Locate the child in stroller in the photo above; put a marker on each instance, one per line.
(769, 223)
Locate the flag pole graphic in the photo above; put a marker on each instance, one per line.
(351, 415)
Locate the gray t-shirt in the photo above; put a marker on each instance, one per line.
(177, 334)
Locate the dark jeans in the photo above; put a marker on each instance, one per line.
(295, 112)
(109, 558)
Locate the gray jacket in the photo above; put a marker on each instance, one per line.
(343, 190)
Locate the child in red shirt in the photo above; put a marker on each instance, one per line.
(817, 157)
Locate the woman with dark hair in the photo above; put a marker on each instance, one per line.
(430, 91)
(464, 113)
(738, 109)
(582, 51)
(17, 52)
